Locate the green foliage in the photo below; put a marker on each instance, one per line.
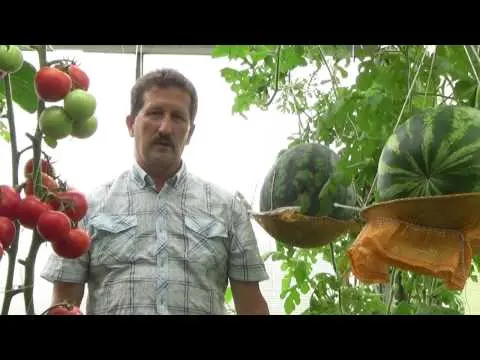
(352, 97)
(23, 89)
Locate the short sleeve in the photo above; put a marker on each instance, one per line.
(245, 262)
(67, 270)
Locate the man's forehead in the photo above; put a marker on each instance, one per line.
(166, 92)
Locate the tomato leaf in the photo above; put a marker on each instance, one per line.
(23, 89)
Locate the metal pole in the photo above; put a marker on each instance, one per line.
(139, 65)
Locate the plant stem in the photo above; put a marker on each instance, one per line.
(401, 294)
(30, 273)
(36, 239)
(391, 291)
(429, 76)
(12, 252)
(277, 75)
(339, 277)
(23, 150)
(433, 285)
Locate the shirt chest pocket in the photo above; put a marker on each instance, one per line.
(114, 239)
(207, 242)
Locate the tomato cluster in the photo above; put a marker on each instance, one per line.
(54, 215)
(67, 82)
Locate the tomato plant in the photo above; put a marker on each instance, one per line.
(47, 206)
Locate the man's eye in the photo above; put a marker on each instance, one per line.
(179, 117)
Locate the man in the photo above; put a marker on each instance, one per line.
(163, 240)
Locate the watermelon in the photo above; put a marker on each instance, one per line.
(302, 175)
(436, 152)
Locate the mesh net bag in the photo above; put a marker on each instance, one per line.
(434, 236)
(289, 226)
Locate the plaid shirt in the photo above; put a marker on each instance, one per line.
(167, 252)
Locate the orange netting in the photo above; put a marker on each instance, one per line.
(434, 236)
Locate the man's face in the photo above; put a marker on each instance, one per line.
(161, 129)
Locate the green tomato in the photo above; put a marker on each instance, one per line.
(55, 123)
(79, 105)
(11, 58)
(50, 142)
(85, 129)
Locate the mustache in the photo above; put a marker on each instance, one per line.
(164, 140)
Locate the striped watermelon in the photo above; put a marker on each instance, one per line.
(433, 153)
(298, 177)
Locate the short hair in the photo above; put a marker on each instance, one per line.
(162, 78)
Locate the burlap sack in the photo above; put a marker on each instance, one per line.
(431, 235)
(289, 226)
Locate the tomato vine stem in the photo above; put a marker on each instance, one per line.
(22, 151)
(36, 238)
(12, 251)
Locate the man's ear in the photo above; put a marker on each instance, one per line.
(130, 121)
(192, 129)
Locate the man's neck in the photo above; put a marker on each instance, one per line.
(161, 175)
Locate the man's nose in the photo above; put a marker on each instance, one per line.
(165, 125)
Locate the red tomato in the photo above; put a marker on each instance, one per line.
(80, 79)
(47, 168)
(9, 200)
(48, 183)
(75, 245)
(7, 232)
(30, 209)
(74, 204)
(52, 84)
(54, 225)
(65, 310)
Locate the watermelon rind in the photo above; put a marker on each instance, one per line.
(303, 176)
(434, 152)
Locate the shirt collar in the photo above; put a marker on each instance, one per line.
(143, 179)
